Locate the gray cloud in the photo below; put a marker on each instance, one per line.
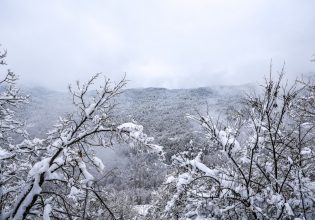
(167, 43)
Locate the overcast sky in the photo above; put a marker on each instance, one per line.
(161, 43)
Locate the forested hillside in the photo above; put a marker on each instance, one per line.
(241, 152)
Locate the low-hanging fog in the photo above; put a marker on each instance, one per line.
(171, 109)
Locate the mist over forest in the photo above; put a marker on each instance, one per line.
(140, 110)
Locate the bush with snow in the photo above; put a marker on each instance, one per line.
(264, 165)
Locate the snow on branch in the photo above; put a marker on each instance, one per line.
(64, 159)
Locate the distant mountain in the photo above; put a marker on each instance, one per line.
(161, 111)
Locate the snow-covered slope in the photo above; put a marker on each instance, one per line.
(161, 111)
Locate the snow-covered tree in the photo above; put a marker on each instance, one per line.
(261, 163)
(53, 177)
(10, 129)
